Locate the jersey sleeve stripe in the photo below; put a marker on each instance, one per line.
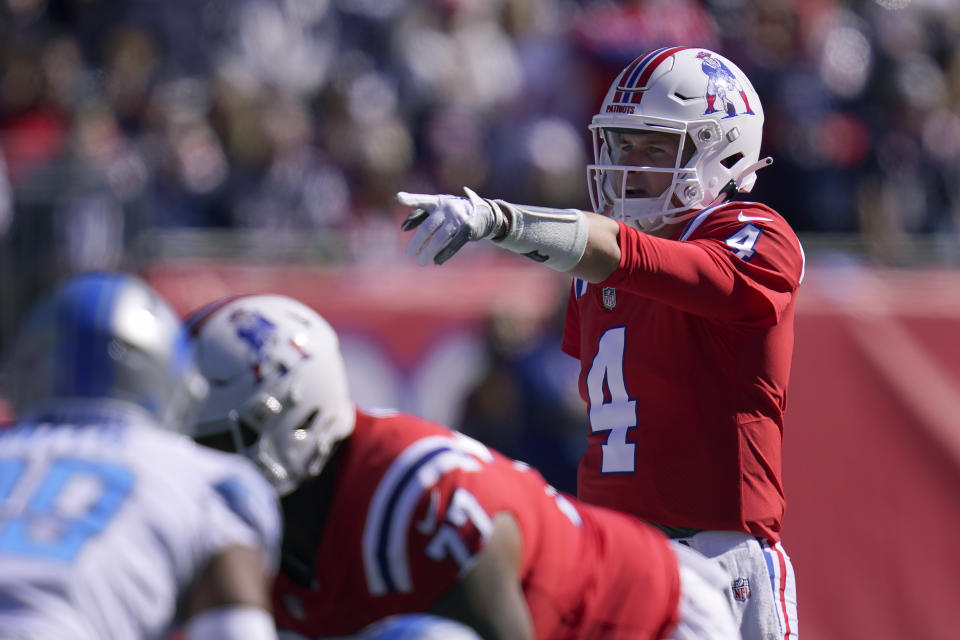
(579, 287)
(697, 221)
(406, 491)
(803, 262)
(385, 560)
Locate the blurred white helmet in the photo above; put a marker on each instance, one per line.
(704, 99)
(106, 337)
(278, 385)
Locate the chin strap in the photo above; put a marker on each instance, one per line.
(756, 166)
(733, 186)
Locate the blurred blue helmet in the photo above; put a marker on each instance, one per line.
(417, 626)
(106, 336)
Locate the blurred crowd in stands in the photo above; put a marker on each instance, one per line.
(303, 117)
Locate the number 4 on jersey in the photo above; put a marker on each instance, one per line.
(744, 241)
(618, 414)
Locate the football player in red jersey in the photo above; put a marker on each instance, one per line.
(680, 312)
(386, 513)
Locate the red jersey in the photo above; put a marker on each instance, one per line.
(413, 505)
(684, 360)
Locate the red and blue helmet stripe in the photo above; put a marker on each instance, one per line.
(636, 76)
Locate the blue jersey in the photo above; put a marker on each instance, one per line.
(106, 519)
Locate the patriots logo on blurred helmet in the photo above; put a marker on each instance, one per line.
(722, 85)
(252, 328)
(260, 334)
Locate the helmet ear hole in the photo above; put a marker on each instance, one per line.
(248, 435)
(222, 441)
(308, 421)
(729, 161)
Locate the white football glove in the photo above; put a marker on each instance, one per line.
(445, 223)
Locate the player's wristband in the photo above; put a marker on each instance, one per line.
(231, 623)
(555, 237)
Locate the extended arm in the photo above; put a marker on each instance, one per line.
(583, 244)
(701, 277)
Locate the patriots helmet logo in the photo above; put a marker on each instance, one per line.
(256, 331)
(269, 353)
(722, 87)
(252, 328)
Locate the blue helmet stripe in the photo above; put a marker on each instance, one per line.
(66, 333)
(113, 287)
(640, 67)
(102, 300)
(84, 319)
(183, 353)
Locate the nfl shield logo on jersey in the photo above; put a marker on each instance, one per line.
(609, 297)
(741, 589)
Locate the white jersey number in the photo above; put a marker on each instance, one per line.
(463, 508)
(618, 414)
(743, 241)
(74, 500)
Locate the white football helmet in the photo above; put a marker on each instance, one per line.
(278, 385)
(703, 98)
(104, 338)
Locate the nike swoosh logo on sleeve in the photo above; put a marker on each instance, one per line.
(743, 218)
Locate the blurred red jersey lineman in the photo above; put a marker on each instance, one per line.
(386, 513)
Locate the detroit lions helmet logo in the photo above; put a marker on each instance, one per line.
(722, 87)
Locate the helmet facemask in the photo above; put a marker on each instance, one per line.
(278, 432)
(682, 195)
